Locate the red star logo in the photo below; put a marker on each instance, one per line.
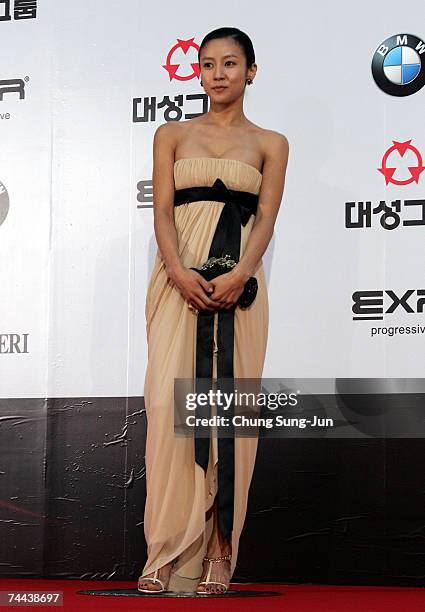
(388, 171)
(171, 68)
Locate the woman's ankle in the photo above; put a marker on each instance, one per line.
(216, 551)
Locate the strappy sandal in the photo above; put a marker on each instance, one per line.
(154, 579)
(207, 581)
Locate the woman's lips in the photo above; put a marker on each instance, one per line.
(219, 88)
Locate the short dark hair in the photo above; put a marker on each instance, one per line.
(238, 36)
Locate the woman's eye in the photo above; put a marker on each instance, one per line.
(207, 64)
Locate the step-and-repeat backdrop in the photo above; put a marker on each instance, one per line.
(83, 87)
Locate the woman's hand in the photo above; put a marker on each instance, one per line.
(194, 288)
(228, 288)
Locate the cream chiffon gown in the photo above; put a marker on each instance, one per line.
(179, 493)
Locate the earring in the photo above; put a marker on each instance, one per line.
(201, 83)
(249, 81)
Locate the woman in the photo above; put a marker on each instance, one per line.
(197, 493)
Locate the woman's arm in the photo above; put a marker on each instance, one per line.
(163, 191)
(192, 285)
(272, 185)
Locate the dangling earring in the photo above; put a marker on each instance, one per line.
(201, 83)
(249, 81)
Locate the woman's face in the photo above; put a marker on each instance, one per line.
(223, 69)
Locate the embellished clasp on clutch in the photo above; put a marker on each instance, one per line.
(225, 261)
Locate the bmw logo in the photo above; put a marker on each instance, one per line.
(398, 65)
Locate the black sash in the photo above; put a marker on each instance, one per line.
(239, 205)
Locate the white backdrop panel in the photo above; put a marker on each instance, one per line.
(76, 247)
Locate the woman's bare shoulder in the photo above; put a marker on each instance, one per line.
(171, 133)
(274, 148)
(168, 130)
(273, 141)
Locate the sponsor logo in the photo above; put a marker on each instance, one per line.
(181, 64)
(20, 9)
(4, 203)
(13, 343)
(398, 65)
(401, 165)
(11, 87)
(393, 158)
(182, 48)
(374, 305)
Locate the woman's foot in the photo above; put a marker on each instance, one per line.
(216, 574)
(217, 562)
(156, 581)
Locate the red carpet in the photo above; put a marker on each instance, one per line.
(292, 598)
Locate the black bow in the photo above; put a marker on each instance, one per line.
(245, 201)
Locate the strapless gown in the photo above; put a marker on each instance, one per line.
(179, 493)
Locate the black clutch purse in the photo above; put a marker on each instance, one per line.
(215, 266)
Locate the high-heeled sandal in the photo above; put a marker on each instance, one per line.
(207, 581)
(154, 579)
